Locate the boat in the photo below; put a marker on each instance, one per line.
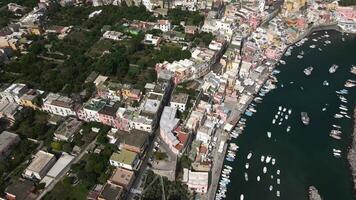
(278, 172)
(315, 40)
(338, 116)
(241, 197)
(284, 109)
(288, 128)
(333, 68)
(264, 170)
(258, 178)
(279, 108)
(247, 165)
(246, 176)
(278, 181)
(282, 62)
(278, 194)
(305, 118)
(268, 159)
(337, 150)
(289, 111)
(269, 134)
(353, 69)
(270, 188)
(312, 46)
(273, 121)
(272, 176)
(249, 156)
(299, 56)
(286, 117)
(262, 158)
(326, 83)
(336, 126)
(323, 109)
(307, 71)
(273, 161)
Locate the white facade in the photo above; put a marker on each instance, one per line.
(164, 25)
(196, 181)
(58, 105)
(40, 165)
(13, 93)
(180, 106)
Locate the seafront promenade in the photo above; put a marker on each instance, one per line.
(351, 156)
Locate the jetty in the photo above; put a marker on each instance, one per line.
(351, 156)
(314, 193)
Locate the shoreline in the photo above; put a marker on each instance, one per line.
(351, 154)
(306, 34)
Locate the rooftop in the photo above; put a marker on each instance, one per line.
(7, 138)
(135, 138)
(40, 161)
(122, 177)
(111, 192)
(68, 127)
(179, 98)
(124, 156)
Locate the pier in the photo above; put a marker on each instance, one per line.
(351, 156)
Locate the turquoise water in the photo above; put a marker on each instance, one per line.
(303, 155)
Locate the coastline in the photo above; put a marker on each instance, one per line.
(307, 33)
(314, 193)
(351, 155)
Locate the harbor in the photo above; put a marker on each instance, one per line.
(266, 138)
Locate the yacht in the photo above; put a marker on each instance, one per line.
(337, 116)
(289, 111)
(262, 158)
(299, 56)
(278, 194)
(247, 165)
(307, 71)
(284, 109)
(269, 134)
(278, 181)
(272, 176)
(279, 108)
(320, 49)
(241, 197)
(333, 68)
(336, 126)
(273, 121)
(305, 118)
(258, 178)
(264, 170)
(249, 156)
(268, 159)
(286, 117)
(273, 161)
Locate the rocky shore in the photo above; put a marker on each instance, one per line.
(351, 156)
(314, 194)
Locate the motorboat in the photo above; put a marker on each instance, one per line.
(264, 170)
(247, 165)
(286, 117)
(241, 197)
(279, 108)
(262, 158)
(272, 176)
(326, 83)
(307, 71)
(284, 109)
(305, 118)
(299, 56)
(278, 194)
(288, 129)
(268, 159)
(337, 116)
(333, 68)
(278, 172)
(258, 178)
(246, 176)
(273, 121)
(269, 134)
(282, 62)
(278, 181)
(249, 156)
(289, 111)
(270, 188)
(273, 161)
(312, 46)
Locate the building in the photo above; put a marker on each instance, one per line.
(108, 115)
(67, 129)
(40, 165)
(113, 35)
(135, 140)
(7, 141)
(29, 98)
(191, 30)
(57, 168)
(19, 189)
(122, 177)
(196, 181)
(204, 134)
(111, 192)
(152, 40)
(90, 110)
(164, 25)
(125, 159)
(179, 101)
(9, 110)
(13, 93)
(58, 105)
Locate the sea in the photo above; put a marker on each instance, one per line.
(304, 155)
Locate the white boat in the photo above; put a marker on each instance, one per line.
(286, 117)
(278, 181)
(269, 134)
(246, 176)
(279, 108)
(289, 111)
(270, 188)
(284, 109)
(307, 71)
(268, 159)
(326, 83)
(278, 194)
(280, 123)
(333, 68)
(288, 128)
(273, 121)
(337, 150)
(315, 40)
(323, 109)
(241, 197)
(273, 161)
(299, 56)
(264, 170)
(258, 178)
(247, 165)
(278, 172)
(337, 116)
(279, 112)
(312, 46)
(262, 158)
(249, 156)
(282, 62)
(272, 176)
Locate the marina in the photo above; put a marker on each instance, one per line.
(272, 150)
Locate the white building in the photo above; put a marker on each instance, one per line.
(113, 35)
(204, 134)
(151, 39)
(164, 25)
(40, 165)
(13, 93)
(58, 105)
(179, 101)
(196, 181)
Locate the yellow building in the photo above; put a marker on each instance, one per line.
(28, 99)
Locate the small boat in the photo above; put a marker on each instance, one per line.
(312, 46)
(278, 194)
(333, 68)
(241, 197)
(288, 128)
(272, 176)
(269, 134)
(284, 109)
(323, 109)
(247, 165)
(282, 62)
(262, 158)
(273, 161)
(258, 178)
(307, 71)
(278, 181)
(279, 108)
(278, 172)
(326, 83)
(270, 188)
(286, 117)
(264, 170)
(268, 159)
(336, 126)
(299, 56)
(289, 111)
(320, 49)
(305, 118)
(273, 121)
(246, 176)
(249, 156)
(338, 116)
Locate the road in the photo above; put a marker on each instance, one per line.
(66, 169)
